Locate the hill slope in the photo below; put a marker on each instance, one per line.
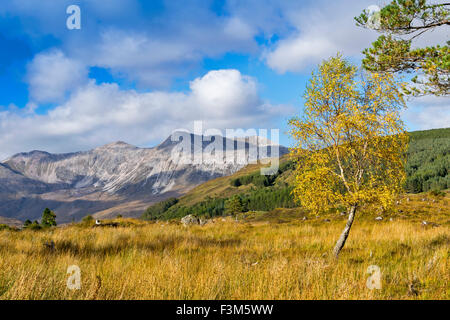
(428, 160)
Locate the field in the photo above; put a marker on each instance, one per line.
(263, 255)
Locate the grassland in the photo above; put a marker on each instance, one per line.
(264, 255)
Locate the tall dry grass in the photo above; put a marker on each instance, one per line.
(228, 260)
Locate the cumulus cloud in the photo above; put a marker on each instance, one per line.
(150, 61)
(295, 53)
(225, 92)
(428, 112)
(320, 32)
(154, 60)
(149, 47)
(237, 27)
(96, 114)
(51, 75)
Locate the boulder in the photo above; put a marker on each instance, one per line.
(434, 225)
(190, 220)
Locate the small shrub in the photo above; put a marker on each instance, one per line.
(87, 221)
(437, 193)
(236, 182)
(4, 227)
(35, 226)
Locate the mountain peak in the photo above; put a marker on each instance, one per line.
(34, 154)
(117, 144)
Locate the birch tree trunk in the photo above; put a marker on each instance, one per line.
(344, 235)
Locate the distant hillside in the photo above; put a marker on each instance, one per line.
(257, 192)
(427, 169)
(10, 222)
(428, 163)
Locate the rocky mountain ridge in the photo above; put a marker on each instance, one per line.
(114, 178)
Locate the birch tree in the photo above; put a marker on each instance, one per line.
(351, 142)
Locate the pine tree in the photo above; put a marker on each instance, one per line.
(48, 218)
(234, 205)
(27, 223)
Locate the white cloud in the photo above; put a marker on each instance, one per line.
(321, 32)
(295, 53)
(147, 47)
(153, 48)
(148, 60)
(224, 92)
(428, 112)
(98, 114)
(237, 28)
(51, 75)
(154, 59)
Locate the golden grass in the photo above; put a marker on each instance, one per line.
(228, 260)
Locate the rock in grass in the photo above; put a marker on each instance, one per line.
(190, 220)
(104, 225)
(426, 223)
(49, 245)
(379, 218)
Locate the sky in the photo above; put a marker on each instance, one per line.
(138, 70)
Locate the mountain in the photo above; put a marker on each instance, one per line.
(116, 178)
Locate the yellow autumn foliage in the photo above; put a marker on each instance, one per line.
(351, 143)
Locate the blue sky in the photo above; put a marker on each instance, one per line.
(136, 70)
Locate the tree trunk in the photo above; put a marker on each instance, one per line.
(341, 242)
